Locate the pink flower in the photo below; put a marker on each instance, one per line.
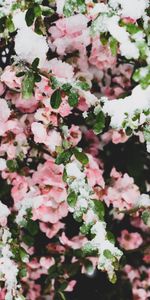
(10, 79)
(50, 214)
(101, 56)
(74, 135)
(39, 131)
(25, 106)
(75, 243)
(130, 241)
(146, 258)
(123, 193)
(70, 286)
(51, 229)
(52, 139)
(4, 116)
(47, 262)
(2, 88)
(61, 69)
(94, 173)
(72, 25)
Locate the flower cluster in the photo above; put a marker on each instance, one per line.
(74, 145)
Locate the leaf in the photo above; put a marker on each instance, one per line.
(111, 237)
(132, 28)
(66, 87)
(20, 74)
(99, 123)
(85, 228)
(83, 85)
(113, 46)
(107, 254)
(28, 85)
(29, 240)
(39, 26)
(63, 157)
(23, 273)
(23, 255)
(72, 6)
(147, 133)
(47, 11)
(30, 16)
(35, 64)
(99, 209)
(56, 99)
(72, 199)
(12, 165)
(37, 10)
(73, 99)
(32, 227)
(146, 217)
(88, 266)
(104, 38)
(9, 24)
(81, 156)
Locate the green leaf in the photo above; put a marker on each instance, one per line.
(23, 255)
(65, 175)
(28, 85)
(37, 77)
(20, 74)
(111, 237)
(146, 217)
(9, 24)
(29, 240)
(113, 46)
(37, 10)
(54, 83)
(30, 16)
(56, 99)
(63, 157)
(147, 133)
(107, 254)
(72, 6)
(99, 209)
(104, 37)
(47, 11)
(12, 165)
(88, 266)
(89, 249)
(32, 227)
(35, 64)
(99, 123)
(73, 99)
(72, 199)
(52, 271)
(80, 156)
(132, 28)
(23, 273)
(83, 85)
(40, 26)
(85, 228)
(66, 87)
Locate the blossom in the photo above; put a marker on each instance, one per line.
(101, 56)
(130, 241)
